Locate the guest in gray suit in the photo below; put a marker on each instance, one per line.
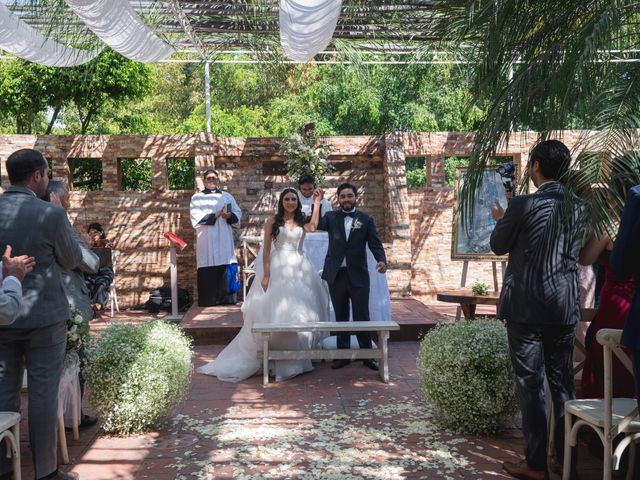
(73, 280)
(542, 233)
(38, 337)
(13, 271)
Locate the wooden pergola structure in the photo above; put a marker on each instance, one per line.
(207, 26)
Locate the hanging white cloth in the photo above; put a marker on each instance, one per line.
(214, 243)
(117, 24)
(23, 41)
(307, 26)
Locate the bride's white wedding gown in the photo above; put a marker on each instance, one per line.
(296, 293)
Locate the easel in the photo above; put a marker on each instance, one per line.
(463, 280)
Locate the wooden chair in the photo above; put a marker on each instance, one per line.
(250, 248)
(113, 295)
(609, 416)
(10, 433)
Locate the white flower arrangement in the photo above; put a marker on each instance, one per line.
(305, 156)
(137, 374)
(466, 374)
(77, 330)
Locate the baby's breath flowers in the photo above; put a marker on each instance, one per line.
(137, 374)
(466, 374)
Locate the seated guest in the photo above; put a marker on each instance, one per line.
(615, 301)
(98, 283)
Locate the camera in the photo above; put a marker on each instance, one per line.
(507, 173)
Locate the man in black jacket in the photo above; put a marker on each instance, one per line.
(542, 233)
(345, 267)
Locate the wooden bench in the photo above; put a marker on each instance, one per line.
(381, 353)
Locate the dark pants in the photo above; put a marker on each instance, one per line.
(212, 287)
(536, 350)
(636, 374)
(342, 292)
(43, 351)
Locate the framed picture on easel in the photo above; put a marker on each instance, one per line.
(470, 241)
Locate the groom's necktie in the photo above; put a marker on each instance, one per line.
(348, 214)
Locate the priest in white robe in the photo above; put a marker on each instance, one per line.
(306, 187)
(213, 212)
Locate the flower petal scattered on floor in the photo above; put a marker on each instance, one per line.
(396, 439)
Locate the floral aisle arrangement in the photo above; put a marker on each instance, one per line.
(305, 156)
(77, 330)
(137, 374)
(466, 374)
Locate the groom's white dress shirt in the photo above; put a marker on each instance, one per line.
(348, 222)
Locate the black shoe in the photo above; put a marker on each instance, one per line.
(372, 364)
(339, 363)
(86, 422)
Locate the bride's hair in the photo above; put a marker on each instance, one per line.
(278, 218)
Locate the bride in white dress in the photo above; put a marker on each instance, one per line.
(286, 289)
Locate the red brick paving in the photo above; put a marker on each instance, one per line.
(311, 399)
(304, 404)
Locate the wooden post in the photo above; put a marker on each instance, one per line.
(463, 283)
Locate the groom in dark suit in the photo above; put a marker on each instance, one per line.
(345, 267)
(625, 260)
(542, 233)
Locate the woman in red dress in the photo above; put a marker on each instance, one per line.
(615, 300)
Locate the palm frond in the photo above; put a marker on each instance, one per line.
(539, 65)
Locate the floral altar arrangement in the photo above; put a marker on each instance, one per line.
(305, 156)
(137, 374)
(466, 374)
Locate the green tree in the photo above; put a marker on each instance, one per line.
(108, 78)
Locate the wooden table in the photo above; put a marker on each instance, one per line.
(468, 300)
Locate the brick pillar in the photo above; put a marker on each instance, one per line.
(110, 172)
(159, 174)
(204, 156)
(396, 208)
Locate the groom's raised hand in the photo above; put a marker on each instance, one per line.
(381, 267)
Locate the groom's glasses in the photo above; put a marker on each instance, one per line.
(210, 179)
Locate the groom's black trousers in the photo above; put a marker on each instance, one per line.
(342, 292)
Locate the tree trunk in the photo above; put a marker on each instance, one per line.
(54, 117)
(85, 122)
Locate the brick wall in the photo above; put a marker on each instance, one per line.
(415, 224)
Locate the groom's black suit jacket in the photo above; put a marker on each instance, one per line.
(352, 249)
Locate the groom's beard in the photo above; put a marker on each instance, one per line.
(347, 206)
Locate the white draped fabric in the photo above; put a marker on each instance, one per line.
(25, 42)
(119, 26)
(307, 26)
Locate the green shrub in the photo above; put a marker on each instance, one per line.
(137, 374)
(466, 374)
